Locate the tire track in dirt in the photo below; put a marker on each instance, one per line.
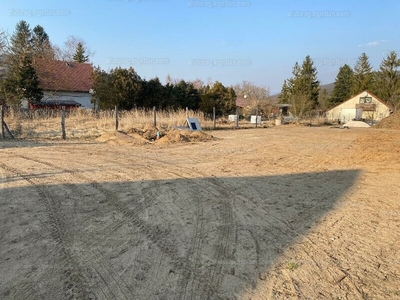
(75, 285)
(116, 290)
(226, 237)
(146, 198)
(130, 217)
(332, 268)
(188, 271)
(191, 282)
(188, 277)
(19, 288)
(208, 283)
(108, 230)
(226, 194)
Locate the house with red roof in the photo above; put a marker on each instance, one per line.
(64, 84)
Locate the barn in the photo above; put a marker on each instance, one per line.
(364, 106)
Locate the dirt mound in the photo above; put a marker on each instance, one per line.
(184, 136)
(391, 122)
(121, 138)
(377, 146)
(148, 132)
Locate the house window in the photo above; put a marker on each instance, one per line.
(365, 99)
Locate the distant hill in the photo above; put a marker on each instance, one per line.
(328, 87)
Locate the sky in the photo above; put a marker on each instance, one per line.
(258, 41)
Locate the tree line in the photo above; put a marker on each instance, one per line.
(118, 87)
(125, 89)
(302, 91)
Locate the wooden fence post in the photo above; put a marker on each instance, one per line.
(237, 117)
(256, 116)
(3, 134)
(116, 118)
(155, 116)
(214, 119)
(63, 134)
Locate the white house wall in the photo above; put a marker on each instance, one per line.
(82, 98)
(381, 111)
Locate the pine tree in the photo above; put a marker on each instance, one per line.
(41, 45)
(21, 41)
(309, 83)
(302, 90)
(126, 85)
(363, 76)
(388, 80)
(343, 86)
(21, 80)
(103, 94)
(284, 96)
(220, 97)
(4, 50)
(79, 55)
(28, 81)
(3, 43)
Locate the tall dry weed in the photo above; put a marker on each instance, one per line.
(81, 123)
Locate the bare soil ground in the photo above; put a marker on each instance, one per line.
(279, 213)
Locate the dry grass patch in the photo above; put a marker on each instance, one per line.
(86, 124)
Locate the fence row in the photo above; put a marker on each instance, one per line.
(88, 123)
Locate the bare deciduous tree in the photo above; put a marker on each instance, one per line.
(257, 96)
(70, 45)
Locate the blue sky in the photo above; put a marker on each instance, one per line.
(229, 41)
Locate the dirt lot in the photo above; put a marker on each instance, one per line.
(277, 213)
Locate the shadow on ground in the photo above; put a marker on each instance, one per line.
(201, 238)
